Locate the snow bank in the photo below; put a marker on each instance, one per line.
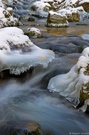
(75, 84)
(18, 53)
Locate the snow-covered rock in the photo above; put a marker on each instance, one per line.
(6, 18)
(84, 4)
(40, 5)
(33, 32)
(18, 53)
(75, 84)
(55, 19)
(40, 8)
(71, 13)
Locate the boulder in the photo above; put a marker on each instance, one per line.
(21, 128)
(84, 4)
(74, 85)
(33, 32)
(40, 9)
(40, 5)
(71, 13)
(74, 17)
(55, 19)
(6, 18)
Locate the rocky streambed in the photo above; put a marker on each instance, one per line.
(27, 107)
(26, 99)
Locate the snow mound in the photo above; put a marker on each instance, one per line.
(75, 84)
(18, 53)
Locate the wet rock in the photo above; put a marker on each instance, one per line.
(22, 128)
(31, 19)
(56, 20)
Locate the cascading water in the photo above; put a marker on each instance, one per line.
(26, 99)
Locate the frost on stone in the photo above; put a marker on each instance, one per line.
(74, 85)
(18, 53)
(7, 19)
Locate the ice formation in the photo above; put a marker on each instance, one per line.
(74, 85)
(18, 53)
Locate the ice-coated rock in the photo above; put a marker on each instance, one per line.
(18, 53)
(75, 84)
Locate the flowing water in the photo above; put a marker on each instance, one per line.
(27, 99)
